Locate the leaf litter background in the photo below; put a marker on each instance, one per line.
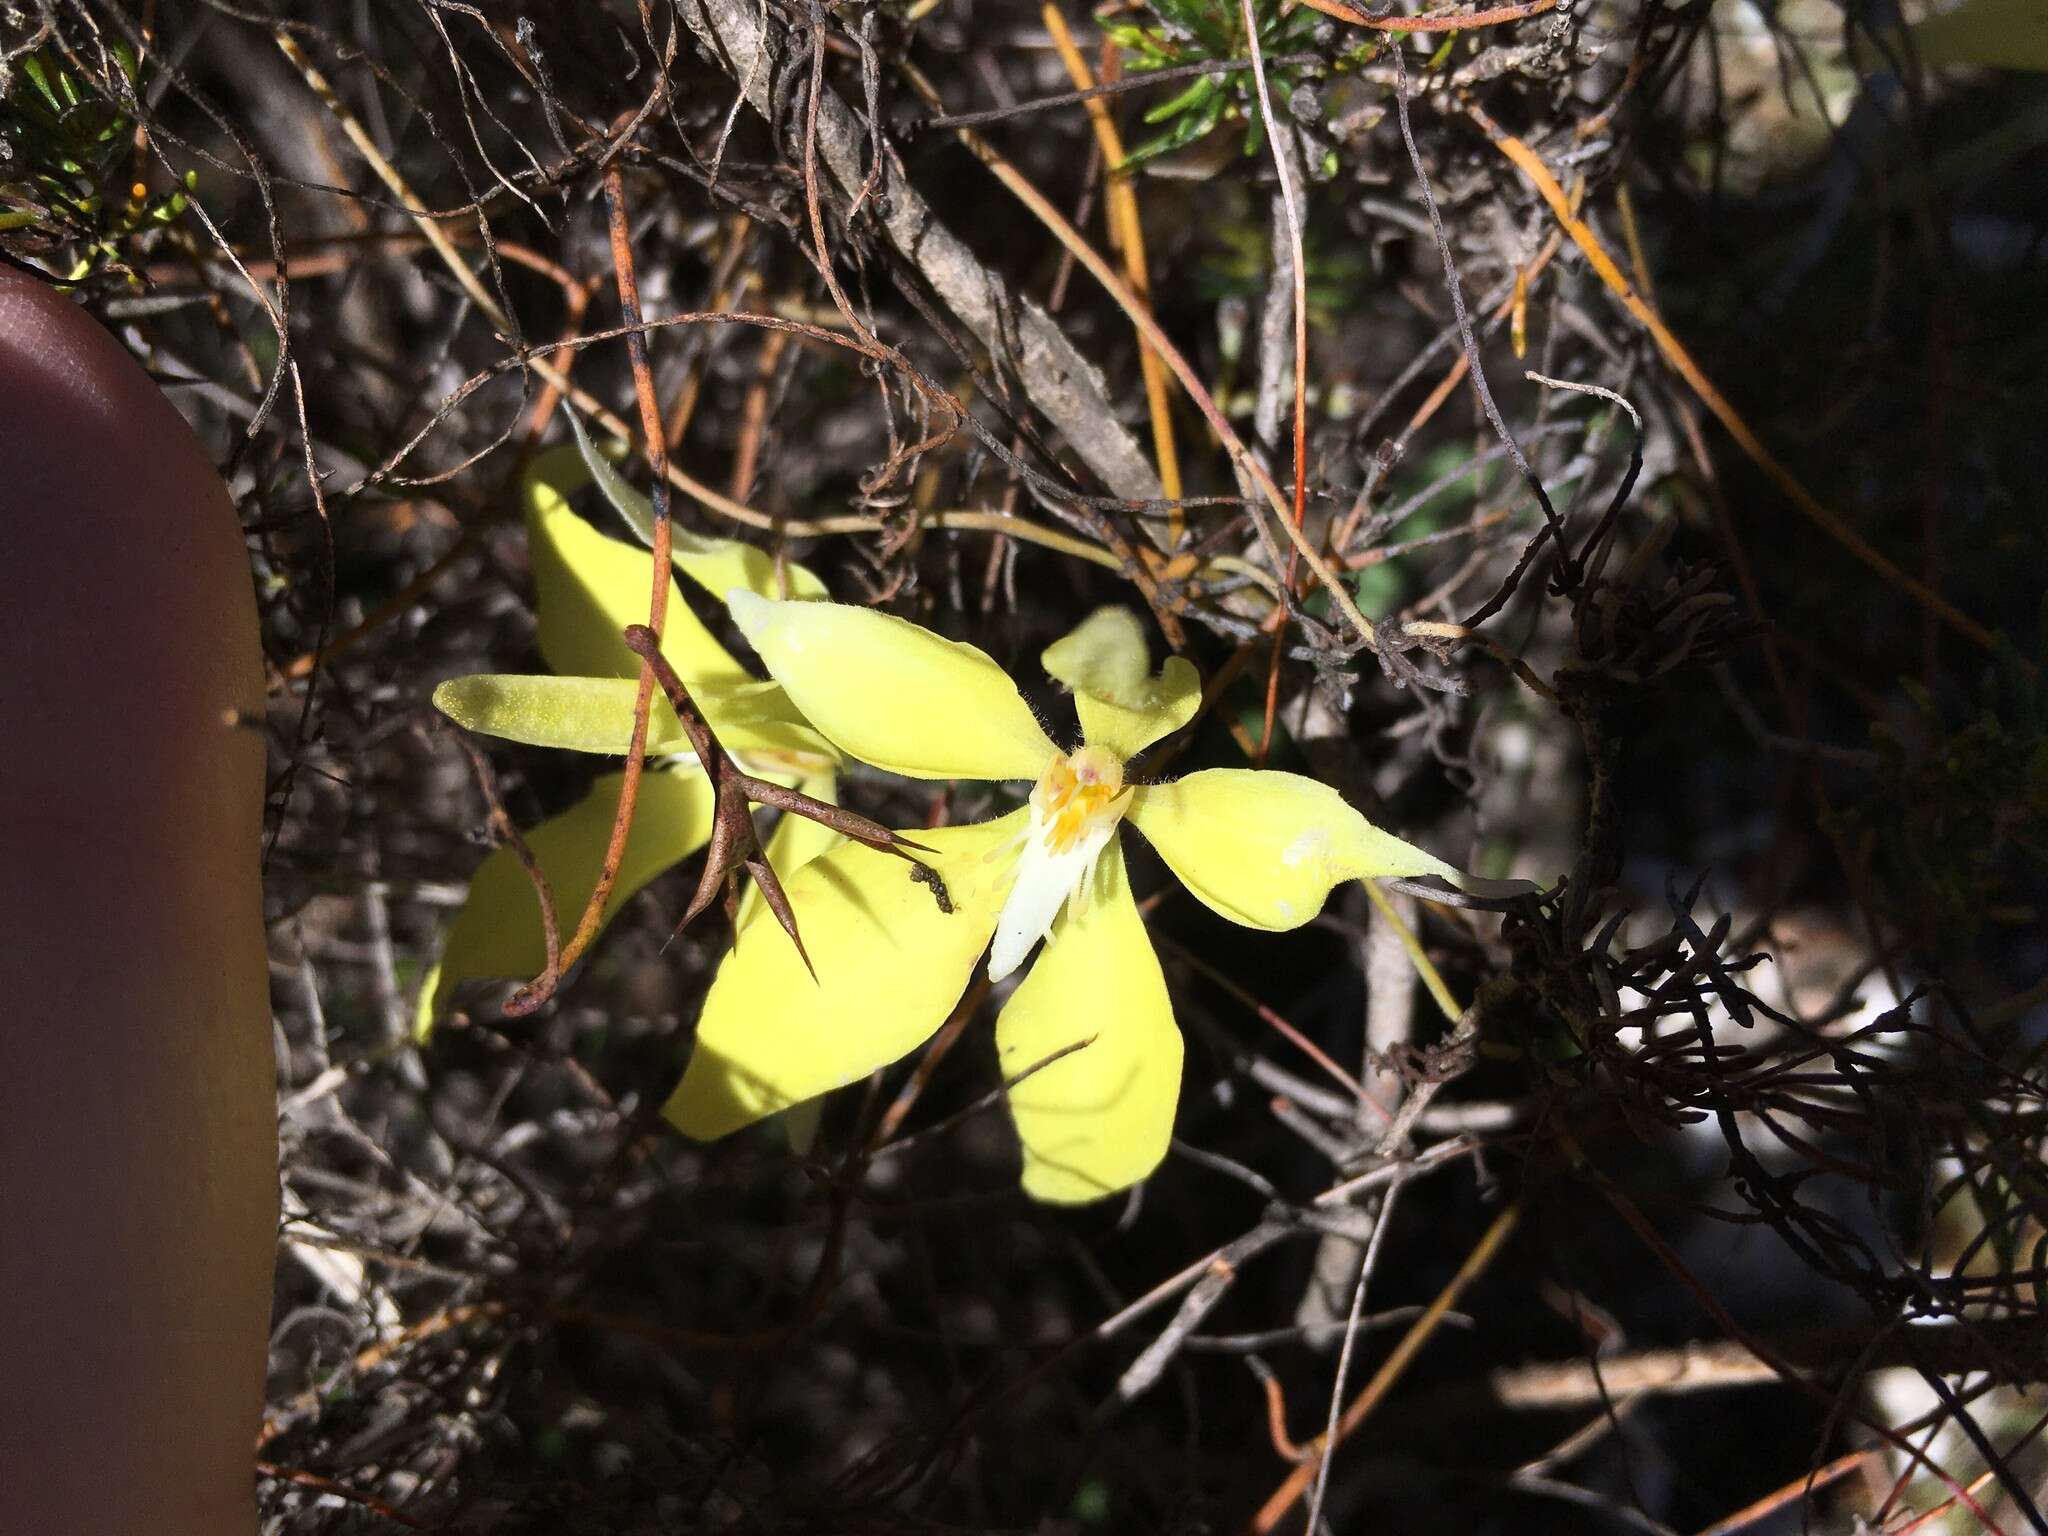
(1730, 1174)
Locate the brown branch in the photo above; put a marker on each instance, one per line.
(507, 834)
(1284, 1498)
(1782, 1367)
(1138, 82)
(1797, 1491)
(1141, 318)
(655, 444)
(1525, 160)
(327, 1485)
(2012, 1349)
(1063, 384)
(735, 841)
(1468, 21)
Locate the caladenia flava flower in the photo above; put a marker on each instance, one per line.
(588, 588)
(1087, 1041)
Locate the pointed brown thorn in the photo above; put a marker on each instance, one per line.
(719, 855)
(770, 886)
(708, 885)
(849, 824)
(735, 843)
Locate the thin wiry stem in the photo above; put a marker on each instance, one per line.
(542, 987)
(1365, 1268)
(1141, 317)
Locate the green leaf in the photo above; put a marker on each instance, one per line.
(1203, 87)
(2004, 34)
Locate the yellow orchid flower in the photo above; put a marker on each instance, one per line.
(1087, 1040)
(588, 587)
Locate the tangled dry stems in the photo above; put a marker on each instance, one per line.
(508, 1300)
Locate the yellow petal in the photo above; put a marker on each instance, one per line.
(719, 565)
(755, 721)
(795, 842)
(579, 714)
(1264, 848)
(716, 565)
(498, 931)
(890, 964)
(1104, 654)
(889, 693)
(758, 724)
(1099, 1119)
(1122, 704)
(588, 588)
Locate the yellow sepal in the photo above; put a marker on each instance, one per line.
(890, 967)
(1123, 705)
(794, 843)
(716, 565)
(595, 714)
(1264, 848)
(887, 692)
(498, 931)
(1098, 1119)
(588, 587)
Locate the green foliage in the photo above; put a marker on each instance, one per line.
(1196, 31)
(66, 150)
(2004, 34)
(1235, 261)
(1960, 812)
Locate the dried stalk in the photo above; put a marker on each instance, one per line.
(1061, 382)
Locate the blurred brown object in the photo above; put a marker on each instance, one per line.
(138, 1189)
